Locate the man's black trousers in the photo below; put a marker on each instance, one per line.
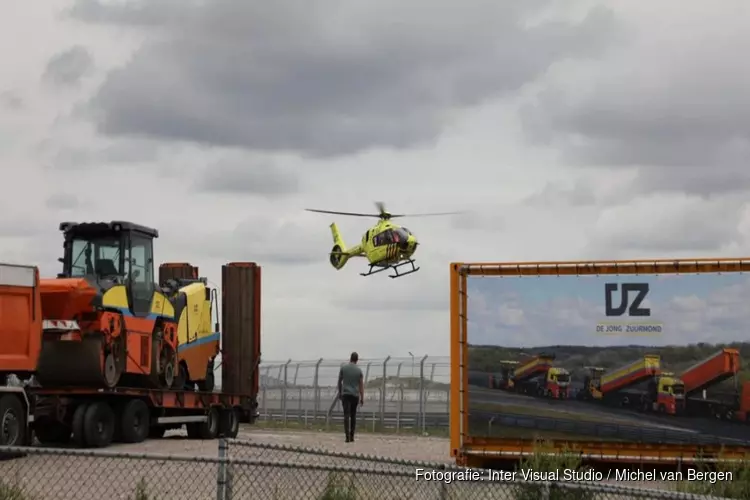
(350, 404)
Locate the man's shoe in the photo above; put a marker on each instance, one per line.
(348, 439)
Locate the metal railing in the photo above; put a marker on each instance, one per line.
(245, 469)
(399, 392)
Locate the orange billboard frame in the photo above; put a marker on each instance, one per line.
(475, 451)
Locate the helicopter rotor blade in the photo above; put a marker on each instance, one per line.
(350, 214)
(426, 215)
(381, 207)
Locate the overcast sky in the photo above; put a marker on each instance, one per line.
(565, 129)
(566, 310)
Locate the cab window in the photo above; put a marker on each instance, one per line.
(140, 268)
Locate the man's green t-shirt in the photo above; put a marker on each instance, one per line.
(350, 375)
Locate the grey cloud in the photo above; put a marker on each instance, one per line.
(660, 226)
(479, 220)
(269, 240)
(69, 66)
(11, 101)
(62, 201)
(271, 76)
(577, 194)
(120, 152)
(258, 178)
(674, 106)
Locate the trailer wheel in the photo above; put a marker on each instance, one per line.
(230, 423)
(134, 423)
(210, 428)
(12, 421)
(99, 424)
(50, 431)
(76, 426)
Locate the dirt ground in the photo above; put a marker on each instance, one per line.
(56, 476)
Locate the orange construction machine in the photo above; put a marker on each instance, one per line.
(109, 324)
(102, 351)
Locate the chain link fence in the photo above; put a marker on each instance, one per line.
(249, 470)
(401, 393)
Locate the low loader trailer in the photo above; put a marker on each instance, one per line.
(106, 328)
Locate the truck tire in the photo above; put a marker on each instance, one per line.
(210, 428)
(134, 423)
(76, 426)
(12, 421)
(99, 424)
(230, 423)
(49, 431)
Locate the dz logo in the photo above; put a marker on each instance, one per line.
(635, 291)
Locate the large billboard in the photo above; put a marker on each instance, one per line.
(596, 352)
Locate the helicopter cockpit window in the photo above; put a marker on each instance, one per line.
(383, 238)
(400, 235)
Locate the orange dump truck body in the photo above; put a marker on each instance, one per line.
(715, 369)
(20, 318)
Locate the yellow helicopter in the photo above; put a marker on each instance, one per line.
(385, 245)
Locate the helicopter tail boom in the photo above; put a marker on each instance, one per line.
(339, 255)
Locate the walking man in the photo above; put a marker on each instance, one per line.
(352, 393)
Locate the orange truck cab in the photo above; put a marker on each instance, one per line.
(557, 383)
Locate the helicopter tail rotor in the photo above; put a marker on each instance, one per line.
(339, 255)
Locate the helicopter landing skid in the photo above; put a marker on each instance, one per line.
(395, 269)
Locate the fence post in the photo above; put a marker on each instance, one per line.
(382, 392)
(422, 401)
(316, 390)
(400, 409)
(221, 473)
(284, 390)
(443, 486)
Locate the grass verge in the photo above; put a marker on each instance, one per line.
(13, 490)
(723, 479)
(546, 460)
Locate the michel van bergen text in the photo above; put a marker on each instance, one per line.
(449, 476)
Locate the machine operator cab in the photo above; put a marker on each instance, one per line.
(112, 253)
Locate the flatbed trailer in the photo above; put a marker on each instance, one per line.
(98, 417)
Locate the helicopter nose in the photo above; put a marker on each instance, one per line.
(411, 243)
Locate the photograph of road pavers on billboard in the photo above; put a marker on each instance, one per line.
(646, 358)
